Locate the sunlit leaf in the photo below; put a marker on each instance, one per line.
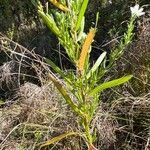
(81, 33)
(81, 13)
(110, 84)
(96, 65)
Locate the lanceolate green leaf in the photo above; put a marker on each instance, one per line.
(81, 13)
(48, 20)
(58, 70)
(96, 65)
(110, 84)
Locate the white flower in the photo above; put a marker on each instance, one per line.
(137, 11)
(110, 1)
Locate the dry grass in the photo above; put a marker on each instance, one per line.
(133, 115)
(36, 116)
(8, 76)
(106, 126)
(38, 112)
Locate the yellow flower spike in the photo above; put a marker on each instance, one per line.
(59, 5)
(85, 49)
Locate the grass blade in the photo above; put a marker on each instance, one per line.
(110, 84)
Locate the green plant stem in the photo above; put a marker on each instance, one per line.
(65, 95)
(125, 41)
(87, 131)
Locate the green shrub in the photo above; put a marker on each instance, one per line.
(67, 22)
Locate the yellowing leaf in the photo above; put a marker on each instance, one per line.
(85, 49)
(58, 138)
(59, 5)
